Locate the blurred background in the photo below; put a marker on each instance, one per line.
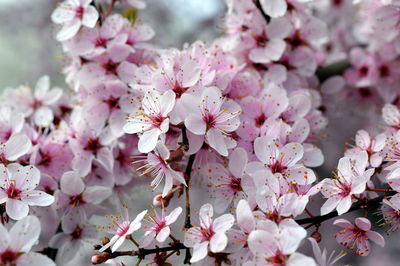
(28, 50)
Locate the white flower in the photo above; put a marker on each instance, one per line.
(73, 14)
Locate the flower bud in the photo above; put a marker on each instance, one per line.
(317, 236)
(100, 258)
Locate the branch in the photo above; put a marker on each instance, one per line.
(141, 253)
(266, 17)
(188, 172)
(335, 69)
(370, 205)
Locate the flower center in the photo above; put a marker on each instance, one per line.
(8, 257)
(13, 192)
(93, 145)
(278, 260)
(260, 120)
(77, 233)
(235, 184)
(277, 168)
(179, 90)
(209, 119)
(207, 233)
(79, 12)
(76, 200)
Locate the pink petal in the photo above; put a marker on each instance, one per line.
(71, 183)
(376, 237)
(163, 234)
(199, 252)
(205, 215)
(173, 216)
(148, 140)
(17, 209)
(274, 8)
(223, 223)
(90, 17)
(218, 242)
(17, 146)
(363, 223)
(238, 161)
(245, 217)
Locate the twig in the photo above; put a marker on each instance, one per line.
(370, 205)
(266, 17)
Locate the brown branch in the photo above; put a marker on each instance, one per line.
(266, 17)
(141, 253)
(370, 205)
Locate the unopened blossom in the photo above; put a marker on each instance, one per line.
(121, 227)
(321, 256)
(157, 165)
(210, 233)
(72, 14)
(274, 244)
(212, 116)
(16, 244)
(17, 190)
(157, 227)
(373, 146)
(357, 237)
(151, 120)
(352, 177)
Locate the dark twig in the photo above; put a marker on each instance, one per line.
(266, 17)
(370, 205)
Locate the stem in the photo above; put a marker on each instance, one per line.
(331, 70)
(370, 205)
(266, 17)
(385, 190)
(188, 172)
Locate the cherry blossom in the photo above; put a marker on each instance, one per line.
(152, 119)
(273, 244)
(17, 190)
(72, 14)
(157, 165)
(214, 117)
(16, 244)
(158, 227)
(121, 227)
(209, 233)
(351, 180)
(356, 237)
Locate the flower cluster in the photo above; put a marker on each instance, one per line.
(228, 133)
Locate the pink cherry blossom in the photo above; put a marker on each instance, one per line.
(72, 14)
(156, 164)
(14, 148)
(351, 180)
(121, 227)
(356, 237)
(16, 244)
(283, 160)
(321, 255)
(209, 233)
(214, 117)
(272, 244)
(158, 227)
(151, 120)
(364, 142)
(17, 190)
